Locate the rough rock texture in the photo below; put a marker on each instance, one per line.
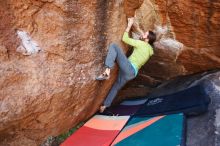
(50, 91)
(195, 24)
(203, 130)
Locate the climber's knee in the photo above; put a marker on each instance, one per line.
(113, 46)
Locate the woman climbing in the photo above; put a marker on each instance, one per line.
(128, 67)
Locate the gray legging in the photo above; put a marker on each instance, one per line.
(126, 71)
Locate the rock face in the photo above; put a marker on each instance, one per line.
(196, 25)
(48, 91)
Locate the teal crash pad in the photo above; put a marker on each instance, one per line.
(167, 130)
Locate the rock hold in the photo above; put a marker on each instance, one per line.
(28, 46)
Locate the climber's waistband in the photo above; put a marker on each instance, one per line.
(135, 69)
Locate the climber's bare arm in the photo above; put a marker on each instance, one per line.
(130, 23)
(126, 39)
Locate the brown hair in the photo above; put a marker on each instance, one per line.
(151, 37)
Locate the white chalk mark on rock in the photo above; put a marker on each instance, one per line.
(166, 41)
(28, 46)
(161, 30)
(171, 43)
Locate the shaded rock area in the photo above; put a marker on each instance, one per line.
(47, 74)
(203, 130)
